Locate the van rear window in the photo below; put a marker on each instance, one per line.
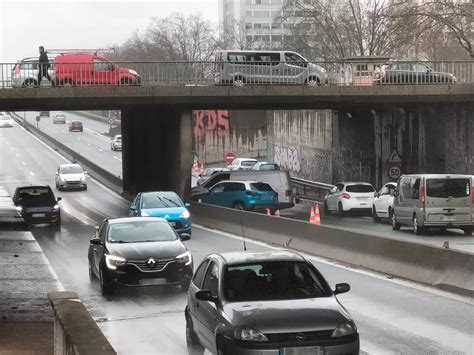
(359, 188)
(260, 186)
(444, 188)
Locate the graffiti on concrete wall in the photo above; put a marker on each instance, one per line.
(211, 121)
(288, 158)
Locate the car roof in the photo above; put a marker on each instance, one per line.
(354, 183)
(439, 176)
(242, 257)
(158, 192)
(76, 121)
(136, 219)
(67, 165)
(33, 187)
(247, 159)
(238, 181)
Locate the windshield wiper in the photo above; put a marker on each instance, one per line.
(167, 199)
(163, 202)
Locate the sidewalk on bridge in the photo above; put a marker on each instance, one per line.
(26, 317)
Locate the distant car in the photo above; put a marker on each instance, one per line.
(76, 126)
(243, 195)
(37, 204)
(70, 176)
(349, 196)
(259, 303)
(208, 172)
(164, 204)
(44, 114)
(242, 164)
(411, 73)
(25, 73)
(263, 165)
(59, 118)
(138, 251)
(6, 120)
(116, 143)
(383, 202)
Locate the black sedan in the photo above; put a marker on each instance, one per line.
(266, 303)
(37, 204)
(138, 251)
(411, 73)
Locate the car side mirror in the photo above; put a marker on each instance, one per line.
(59, 199)
(342, 288)
(133, 208)
(184, 237)
(376, 194)
(205, 295)
(187, 205)
(96, 241)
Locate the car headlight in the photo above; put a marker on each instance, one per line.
(133, 72)
(83, 178)
(185, 214)
(344, 329)
(19, 208)
(249, 334)
(184, 258)
(113, 261)
(56, 207)
(144, 214)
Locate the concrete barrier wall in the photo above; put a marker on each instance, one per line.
(75, 332)
(442, 268)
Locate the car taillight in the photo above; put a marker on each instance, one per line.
(346, 195)
(17, 69)
(422, 195)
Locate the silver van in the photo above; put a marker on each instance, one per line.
(239, 67)
(279, 180)
(434, 201)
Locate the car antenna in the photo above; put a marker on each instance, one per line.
(243, 238)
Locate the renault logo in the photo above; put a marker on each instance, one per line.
(151, 262)
(300, 337)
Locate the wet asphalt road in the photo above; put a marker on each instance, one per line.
(394, 317)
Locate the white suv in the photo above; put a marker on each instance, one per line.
(383, 201)
(349, 196)
(242, 164)
(25, 73)
(116, 143)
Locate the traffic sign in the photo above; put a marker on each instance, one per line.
(394, 158)
(111, 121)
(229, 157)
(394, 172)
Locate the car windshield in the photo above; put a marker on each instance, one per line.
(161, 200)
(260, 186)
(273, 280)
(140, 231)
(360, 188)
(71, 169)
(248, 163)
(35, 193)
(268, 167)
(444, 188)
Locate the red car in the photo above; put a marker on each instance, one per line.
(89, 69)
(75, 126)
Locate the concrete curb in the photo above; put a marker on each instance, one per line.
(445, 269)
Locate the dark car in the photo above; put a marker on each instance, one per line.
(44, 114)
(75, 126)
(411, 73)
(138, 251)
(266, 303)
(37, 204)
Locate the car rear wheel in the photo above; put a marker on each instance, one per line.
(374, 215)
(30, 83)
(239, 206)
(340, 209)
(467, 231)
(238, 81)
(395, 225)
(313, 81)
(192, 341)
(67, 83)
(92, 276)
(416, 227)
(327, 212)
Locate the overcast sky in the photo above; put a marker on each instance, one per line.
(25, 25)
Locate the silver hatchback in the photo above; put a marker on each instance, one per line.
(25, 73)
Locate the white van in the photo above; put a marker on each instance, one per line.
(434, 201)
(239, 67)
(279, 180)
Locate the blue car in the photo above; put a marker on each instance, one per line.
(243, 195)
(164, 204)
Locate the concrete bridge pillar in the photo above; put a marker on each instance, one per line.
(157, 144)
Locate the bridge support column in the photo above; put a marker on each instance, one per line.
(157, 144)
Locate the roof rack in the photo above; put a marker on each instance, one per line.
(94, 51)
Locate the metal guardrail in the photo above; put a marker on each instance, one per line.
(309, 190)
(104, 73)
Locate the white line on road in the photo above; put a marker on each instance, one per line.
(32, 173)
(11, 148)
(101, 150)
(17, 155)
(24, 164)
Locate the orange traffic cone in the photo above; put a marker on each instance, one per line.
(269, 213)
(317, 216)
(195, 168)
(311, 216)
(277, 213)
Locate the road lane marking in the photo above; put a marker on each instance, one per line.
(11, 148)
(17, 155)
(24, 164)
(101, 150)
(32, 173)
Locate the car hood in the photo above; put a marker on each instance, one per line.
(166, 213)
(139, 251)
(71, 177)
(288, 316)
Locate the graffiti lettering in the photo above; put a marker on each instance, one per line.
(211, 121)
(288, 158)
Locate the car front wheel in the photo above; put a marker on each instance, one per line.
(192, 341)
(239, 206)
(106, 287)
(374, 215)
(395, 225)
(416, 227)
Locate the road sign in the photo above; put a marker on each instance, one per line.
(111, 121)
(38, 118)
(394, 158)
(394, 172)
(229, 157)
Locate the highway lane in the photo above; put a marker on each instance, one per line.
(394, 317)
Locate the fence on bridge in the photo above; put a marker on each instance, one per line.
(25, 74)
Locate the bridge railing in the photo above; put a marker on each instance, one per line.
(29, 73)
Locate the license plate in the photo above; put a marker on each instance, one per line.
(301, 350)
(152, 282)
(449, 218)
(38, 215)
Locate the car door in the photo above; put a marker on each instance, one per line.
(330, 197)
(136, 203)
(335, 196)
(102, 72)
(207, 311)
(381, 202)
(233, 192)
(98, 251)
(293, 68)
(214, 195)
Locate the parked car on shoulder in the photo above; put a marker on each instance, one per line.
(263, 165)
(90, 69)
(429, 201)
(71, 176)
(242, 164)
(207, 173)
(6, 120)
(59, 118)
(164, 204)
(37, 204)
(116, 143)
(243, 195)
(349, 196)
(411, 73)
(76, 126)
(138, 251)
(383, 202)
(25, 73)
(266, 303)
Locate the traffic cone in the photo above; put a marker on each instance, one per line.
(269, 213)
(277, 213)
(311, 216)
(317, 216)
(195, 168)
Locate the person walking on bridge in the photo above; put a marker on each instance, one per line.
(43, 65)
